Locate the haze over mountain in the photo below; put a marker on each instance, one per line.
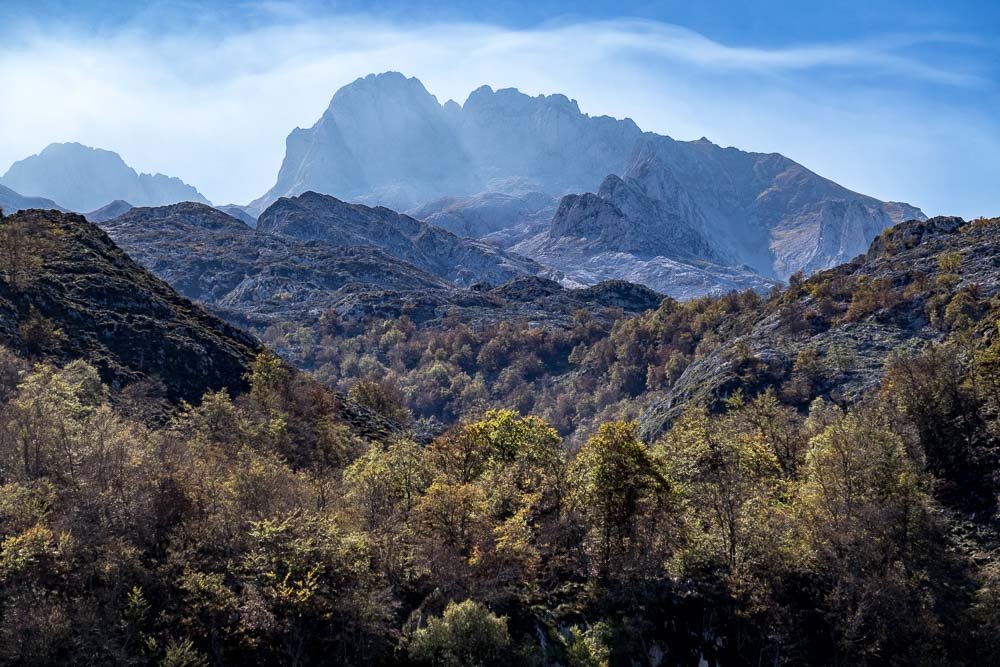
(385, 140)
(83, 179)
(12, 202)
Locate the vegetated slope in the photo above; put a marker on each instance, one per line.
(259, 530)
(828, 336)
(833, 334)
(73, 294)
(84, 179)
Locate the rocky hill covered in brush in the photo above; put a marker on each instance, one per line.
(68, 292)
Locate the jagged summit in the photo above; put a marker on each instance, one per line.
(479, 169)
(109, 211)
(82, 179)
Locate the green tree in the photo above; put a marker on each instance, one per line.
(613, 483)
(467, 635)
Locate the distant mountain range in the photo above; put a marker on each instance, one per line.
(661, 210)
(509, 185)
(286, 271)
(82, 179)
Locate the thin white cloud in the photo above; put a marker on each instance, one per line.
(213, 106)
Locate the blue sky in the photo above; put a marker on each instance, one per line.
(894, 99)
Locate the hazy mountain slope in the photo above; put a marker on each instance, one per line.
(253, 277)
(312, 216)
(763, 210)
(478, 216)
(384, 137)
(240, 213)
(84, 179)
(12, 202)
(622, 233)
(109, 211)
(103, 307)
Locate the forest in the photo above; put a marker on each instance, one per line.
(776, 527)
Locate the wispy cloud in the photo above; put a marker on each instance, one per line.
(212, 102)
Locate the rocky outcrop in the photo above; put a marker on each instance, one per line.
(255, 279)
(762, 209)
(84, 179)
(623, 234)
(89, 300)
(312, 216)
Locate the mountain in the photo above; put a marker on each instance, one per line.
(87, 299)
(84, 179)
(384, 137)
(760, 209)
(252, 277)
(311, 216)
(385, 140)
(11, 202)
(109, 211)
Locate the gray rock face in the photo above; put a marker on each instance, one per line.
(11, 202)
(85, 179)
(312, 216)
(469, 169)
(622, 233)
(762, 210)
